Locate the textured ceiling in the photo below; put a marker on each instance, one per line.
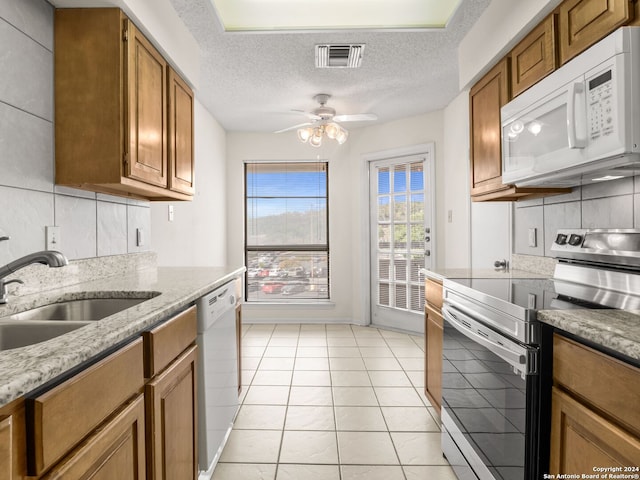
(250, 82)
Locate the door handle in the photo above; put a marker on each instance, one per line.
(574, 141)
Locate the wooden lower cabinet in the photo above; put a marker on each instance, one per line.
(433, 357)
(6, 447)
(171, 401)
(581, 439)
(595, 421)
(433, 330)
(115, 450)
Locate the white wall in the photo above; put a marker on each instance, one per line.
(456, 248)
(345, 206)
(197, 234)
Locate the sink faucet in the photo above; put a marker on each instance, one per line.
(46, 257)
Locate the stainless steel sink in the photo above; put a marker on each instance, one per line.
(50, 321)
(79, 310)
(20, 334)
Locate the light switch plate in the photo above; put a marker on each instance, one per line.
(54, 240)
(170, 213)
(533, 234)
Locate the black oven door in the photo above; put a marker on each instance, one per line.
(490, 401)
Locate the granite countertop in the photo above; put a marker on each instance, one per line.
(440, 274)
(24, 369)
(617, 330)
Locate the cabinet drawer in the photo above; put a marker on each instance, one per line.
(610, 385)
(433, 293)
(115, 450)
(59, 418)
(168, 340)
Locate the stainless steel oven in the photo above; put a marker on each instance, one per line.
(496, 358)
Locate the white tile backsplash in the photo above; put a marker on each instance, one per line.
(26, 149)
(138, 217)
(609, 212)
(24, 216)
(33, 17)
(112, 228)
(598, 205)
(91, 224)
(76, 218)
(27, 73)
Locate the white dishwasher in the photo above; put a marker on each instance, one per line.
(217, 375)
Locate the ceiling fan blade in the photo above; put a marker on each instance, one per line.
(309, 115)
(356, 117)
(294, 127)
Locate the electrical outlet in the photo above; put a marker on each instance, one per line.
(450, 216)
(533, 234)
(54, 239)
(139, 237)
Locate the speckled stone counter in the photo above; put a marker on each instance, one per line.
(24, 369)
(618, 330)
(441, 273)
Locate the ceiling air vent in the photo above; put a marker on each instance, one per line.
(339, 56)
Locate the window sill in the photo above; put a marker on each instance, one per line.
(297, 304)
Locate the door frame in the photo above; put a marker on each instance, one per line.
(426, 149)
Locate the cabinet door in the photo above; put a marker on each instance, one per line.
(581, 439)
(181, 173)
(486, 99)
(584, 22)
(534, 57)
(146, 73)
(171, 420)
(6, 447)
(433, 357)
(115, 450)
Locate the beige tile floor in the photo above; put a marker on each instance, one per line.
(332, 402)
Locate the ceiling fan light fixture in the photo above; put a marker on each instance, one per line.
(332, 129)
(316, 138)
(342, 136)
(304, 134)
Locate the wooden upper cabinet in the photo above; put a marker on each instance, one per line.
(180, 135)
(146, 73)
(534, 57)
(486, 98)
(111, 108)
(584, 22)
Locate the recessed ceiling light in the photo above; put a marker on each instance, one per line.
(274, 15)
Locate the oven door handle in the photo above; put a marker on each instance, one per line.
(515, 359)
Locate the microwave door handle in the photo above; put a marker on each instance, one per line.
(575, 88)
(515, 359)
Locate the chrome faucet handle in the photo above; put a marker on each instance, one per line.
(3, 288)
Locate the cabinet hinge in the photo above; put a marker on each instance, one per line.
(125, 34)
(125, 159)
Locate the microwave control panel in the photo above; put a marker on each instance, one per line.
(600, 101)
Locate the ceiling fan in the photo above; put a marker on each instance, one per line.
(324, 121)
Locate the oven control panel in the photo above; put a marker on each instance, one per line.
(569, 239)
(615, 246)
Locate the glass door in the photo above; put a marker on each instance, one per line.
(401, 241)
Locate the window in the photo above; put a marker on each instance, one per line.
(286, 231)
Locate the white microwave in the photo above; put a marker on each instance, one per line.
(580, 124)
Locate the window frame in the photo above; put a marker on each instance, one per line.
(286, 247)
